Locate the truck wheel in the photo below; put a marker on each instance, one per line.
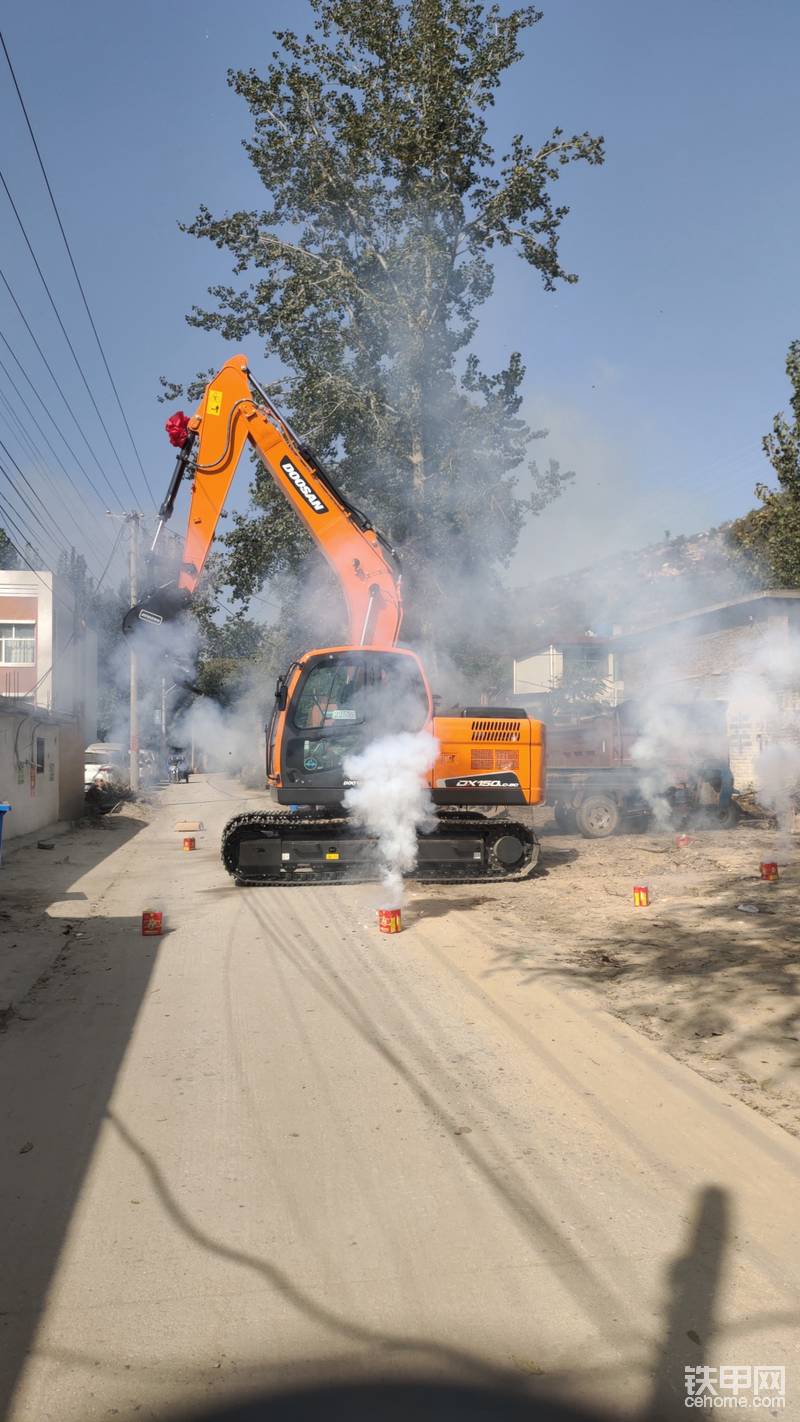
(729, 817)
(564, 816)
(598, 816)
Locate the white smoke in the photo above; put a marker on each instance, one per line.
(392, 800)
(751, 706)
(764, 712)
(227, 738)
(677, 743)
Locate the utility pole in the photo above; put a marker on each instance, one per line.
(132, 520)
(165, 692)
(164, 723)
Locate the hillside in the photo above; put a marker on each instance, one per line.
(633, 589)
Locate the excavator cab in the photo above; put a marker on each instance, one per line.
(331, 705)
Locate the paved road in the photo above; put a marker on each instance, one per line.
(275, 1145)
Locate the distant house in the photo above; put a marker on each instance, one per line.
(566, 662)
(744, 652)
(48, 699)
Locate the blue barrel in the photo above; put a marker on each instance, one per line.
(4, 809)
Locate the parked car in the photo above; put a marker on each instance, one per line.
(178, 768)
(106, 767)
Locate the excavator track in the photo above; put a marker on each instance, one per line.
(261, 848)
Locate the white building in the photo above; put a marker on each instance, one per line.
(48, 699)
(562, 663)
(744, 652)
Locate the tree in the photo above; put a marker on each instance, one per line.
(229, 652)
(769, 536)
(9, 557)
(365, 272)
(72, 567)
(584, 688)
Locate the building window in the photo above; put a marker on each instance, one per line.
(17, 644)
(40, 755)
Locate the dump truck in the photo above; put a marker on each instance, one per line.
(635, 764)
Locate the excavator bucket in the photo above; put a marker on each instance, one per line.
(161, 605)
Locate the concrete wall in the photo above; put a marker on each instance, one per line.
(546, 670)
(17, 679)
(541, 672)
(37, 591)
(64, 678)
(39, 796)
(64, 683)
(72, 744)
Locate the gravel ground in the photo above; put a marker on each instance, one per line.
(716, 984)
(276, 1145)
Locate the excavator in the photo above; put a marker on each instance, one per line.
(335, 701)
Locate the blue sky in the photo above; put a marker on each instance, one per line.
(657, 373)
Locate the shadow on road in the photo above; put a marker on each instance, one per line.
(441, 907)
(59, 1057)
(692, 1285)
(299, 1298)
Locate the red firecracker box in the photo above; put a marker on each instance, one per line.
(389, 920)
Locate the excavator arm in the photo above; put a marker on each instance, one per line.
(211, 444)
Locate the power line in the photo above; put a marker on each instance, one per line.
(74, 268)
(19, 429)
(23, 529)
(110, 558)
(34, 454)
(29, 533)
(64, 332)
(21, 532)
(56, 426)
(71, 637)
(84, 501)
(56, 538)
(50, 589)
(23, 476)
(55, 381)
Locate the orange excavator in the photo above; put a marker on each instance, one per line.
(334, 702)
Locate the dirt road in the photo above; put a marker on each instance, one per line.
(275, 1145)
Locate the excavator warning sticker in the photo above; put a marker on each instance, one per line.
(214, 402)
(303, 488)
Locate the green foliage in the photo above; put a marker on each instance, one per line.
(365, 271)
(768, 538)
(228, 656)
(73, 569)
(9, 557)
(584, 688)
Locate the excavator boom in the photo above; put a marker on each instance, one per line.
(212, 442)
